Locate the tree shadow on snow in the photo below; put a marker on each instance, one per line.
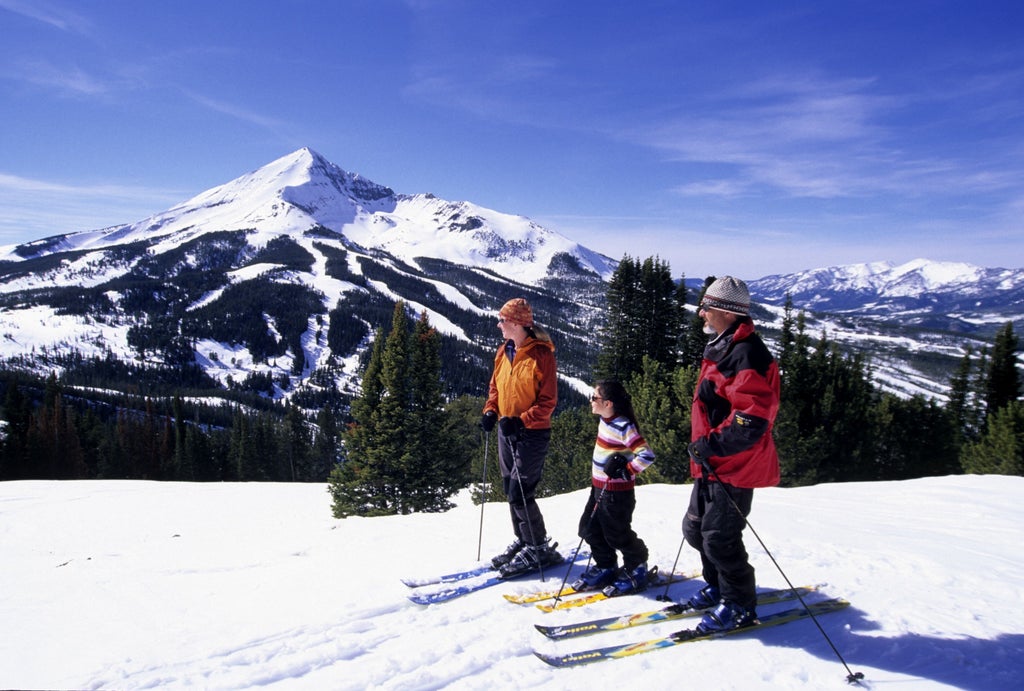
(968, 663)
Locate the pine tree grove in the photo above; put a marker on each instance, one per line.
(402, 447)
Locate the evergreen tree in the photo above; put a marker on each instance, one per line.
(1000, 450)
(387, 455)
(960, 404)
(347, 483)
(570, 454)
(326, 445)
(269, 440)
(787, 339)
(979, 387)
(913, 438)
(17, 413)
(663, 417)
(795, 427)
(297, 446)
(396, 460)
(184, 464)
(824, 428)
(619, 324)
(467, 441)
(433, 474)
(243, 448)
(659, 315)
(695, 339)
(643, 317)
(684, 323)
(1002, 383)
(201, 455)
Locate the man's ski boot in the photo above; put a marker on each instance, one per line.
(725, 617)
(705, 598)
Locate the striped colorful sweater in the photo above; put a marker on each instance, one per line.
(619, 435)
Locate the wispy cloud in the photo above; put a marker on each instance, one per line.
(33, 208)
(235, 111)
(48, 13)
(66, 79)
(801, 136)
(494, 89)
(17, 183)
(809, 137)
(713, 188)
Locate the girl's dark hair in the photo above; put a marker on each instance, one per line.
(614, 391)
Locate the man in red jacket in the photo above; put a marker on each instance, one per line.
(731, 452)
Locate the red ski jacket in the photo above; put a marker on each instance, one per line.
(734, 408)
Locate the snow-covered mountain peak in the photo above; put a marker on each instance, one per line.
(303, 191)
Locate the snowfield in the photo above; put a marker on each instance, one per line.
(130, 585)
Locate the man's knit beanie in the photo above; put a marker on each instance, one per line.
(729, 294)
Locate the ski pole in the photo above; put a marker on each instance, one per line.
(586, 530)
(664, 596)
(851, 677)
(483, 495)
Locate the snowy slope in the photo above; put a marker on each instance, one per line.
(134, 585)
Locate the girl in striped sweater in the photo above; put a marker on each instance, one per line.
(620, 454)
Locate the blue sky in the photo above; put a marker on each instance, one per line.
(745, 137)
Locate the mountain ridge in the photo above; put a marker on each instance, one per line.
(303, 191)
(920, 290)
(286, 272)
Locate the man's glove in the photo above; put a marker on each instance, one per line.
(488, 421)
(617, 467)
(698, 456)
(511, 425)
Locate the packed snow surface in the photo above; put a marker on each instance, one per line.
(136, 584)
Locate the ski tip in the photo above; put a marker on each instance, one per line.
(553, 661)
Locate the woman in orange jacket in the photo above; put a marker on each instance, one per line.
(522, 395)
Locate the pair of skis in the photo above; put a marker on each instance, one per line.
(461, 583)
(579, 598)
(669, 613)
(612, 652)
(615, 623)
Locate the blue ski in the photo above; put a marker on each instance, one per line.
(445, 594)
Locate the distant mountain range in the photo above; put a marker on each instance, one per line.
(950, 295)
(275, 283)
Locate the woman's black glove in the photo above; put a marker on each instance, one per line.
(511, 425)
(488, 420)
